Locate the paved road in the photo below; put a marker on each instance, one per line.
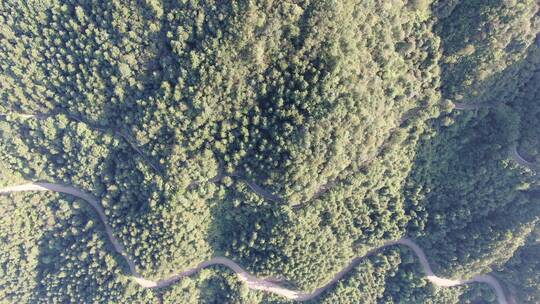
(251, 281)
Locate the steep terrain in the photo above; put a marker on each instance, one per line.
(280, 139)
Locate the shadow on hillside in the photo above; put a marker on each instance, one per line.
(244, 227)
(467, 198)
(111, 172)
(72, 264)
(465, 194)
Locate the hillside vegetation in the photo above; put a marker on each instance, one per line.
(288, 136)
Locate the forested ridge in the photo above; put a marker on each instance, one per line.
(287, 136)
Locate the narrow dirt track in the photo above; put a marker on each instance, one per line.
(116, 132)
(468, 106)
(251, 281)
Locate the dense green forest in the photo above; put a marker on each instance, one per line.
(287, 136)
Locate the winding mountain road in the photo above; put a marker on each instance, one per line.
(514, 153)
(251, 281)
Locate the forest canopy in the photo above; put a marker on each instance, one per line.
(291, 137)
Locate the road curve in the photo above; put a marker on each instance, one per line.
(514, 153)
(251, 281)
(91, 200)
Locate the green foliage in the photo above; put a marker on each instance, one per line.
(288, 136)
(485, 43)
(54, 250)
(481, 194)
(522, 271)
(214, 285)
